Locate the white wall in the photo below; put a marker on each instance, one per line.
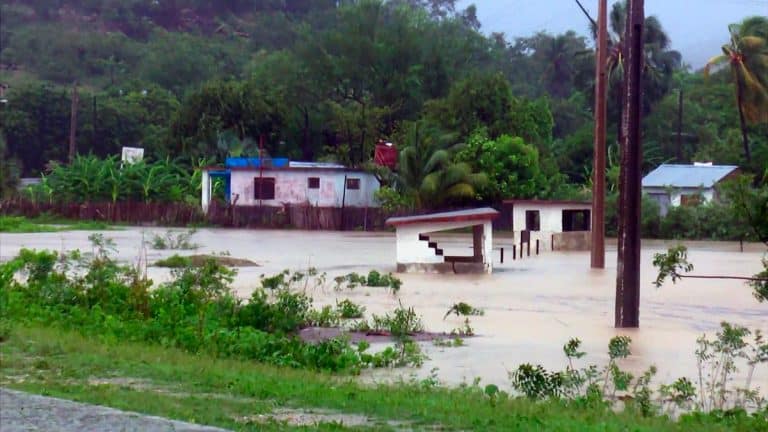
(675, 195)
(411, 250)
(550, 218)
(205, 199)
(291, 187)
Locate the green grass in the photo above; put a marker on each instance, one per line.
(20, 224)
(216, 392)
(178, 261)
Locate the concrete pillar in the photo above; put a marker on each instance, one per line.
(205, 199)
(488, 246)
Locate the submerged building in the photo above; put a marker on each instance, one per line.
(280, 182)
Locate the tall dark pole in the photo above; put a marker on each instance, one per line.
(627, 312)
(598, 170)
(680, 125)
(73, 123)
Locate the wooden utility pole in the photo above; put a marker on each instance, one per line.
(598, 169)
(680, 125)
(73, 123)
(627, 312)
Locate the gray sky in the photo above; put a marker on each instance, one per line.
(697, 27)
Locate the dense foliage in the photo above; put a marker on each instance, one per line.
(90, 179)
(325, 80)
(196, 311)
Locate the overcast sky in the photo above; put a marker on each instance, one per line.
(697, 27)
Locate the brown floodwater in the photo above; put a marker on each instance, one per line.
(532, 306)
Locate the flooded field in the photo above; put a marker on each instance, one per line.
(532, 306)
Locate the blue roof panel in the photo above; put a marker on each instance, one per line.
(687, 176)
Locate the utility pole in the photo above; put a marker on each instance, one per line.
(73, 123)
(598, 169)
(627, 311)
(680, 125)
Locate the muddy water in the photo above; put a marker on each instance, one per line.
(532, 306)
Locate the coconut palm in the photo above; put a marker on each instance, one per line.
(747, 56)
(427, 172)
(660, 61)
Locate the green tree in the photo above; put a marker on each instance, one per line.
(512, 166)
(427, 173)
(747, 56)
(486, 101)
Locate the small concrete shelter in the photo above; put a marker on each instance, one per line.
(555, 224)
(417, 253)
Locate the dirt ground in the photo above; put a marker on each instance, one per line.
(532, 306)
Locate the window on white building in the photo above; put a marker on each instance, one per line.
(264, 188)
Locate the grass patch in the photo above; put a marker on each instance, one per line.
(219, 392)
(178, 261)
(20, 224)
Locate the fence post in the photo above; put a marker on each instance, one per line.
(502, 255)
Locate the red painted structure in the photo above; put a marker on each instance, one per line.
(385, 155)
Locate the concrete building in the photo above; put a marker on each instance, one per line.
(416, 253)
(557, 225)
(280, 182)
(674, 185)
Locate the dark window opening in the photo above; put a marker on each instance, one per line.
(576, 220)
(532, 220)
(313, 182)
(353, 183)
(264, 188)
(690, 200)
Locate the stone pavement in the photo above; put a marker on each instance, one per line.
(26, 412)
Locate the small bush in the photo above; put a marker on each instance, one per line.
(174, 240)
(349, 310)
(196, 311)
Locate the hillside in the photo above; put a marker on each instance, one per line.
(198, 79)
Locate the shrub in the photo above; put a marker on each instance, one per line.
(195, 311)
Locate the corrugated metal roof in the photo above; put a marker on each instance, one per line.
(687, 176)
(320, 165)
(483, 214)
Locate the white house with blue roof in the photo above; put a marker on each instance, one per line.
(279, 182)
(673, 185)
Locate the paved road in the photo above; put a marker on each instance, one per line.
(26, 412)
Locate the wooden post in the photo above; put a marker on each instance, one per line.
(537, 246)
(680, 126)
(73, 123)
(343, 202)
(597, 254)
(627, 308)
(514, 252)
(477, 243)
(502, 255)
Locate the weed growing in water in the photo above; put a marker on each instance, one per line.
(401, 323)
(175, 240)
(349, 310)
(464, 330)
(374, 279)
(717, 360)
(449, 343)
(464, 309)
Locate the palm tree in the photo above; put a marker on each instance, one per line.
(747, 55)
(427, 172)
(660, 61)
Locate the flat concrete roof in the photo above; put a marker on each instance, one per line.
(480, 214)
(547, 202)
